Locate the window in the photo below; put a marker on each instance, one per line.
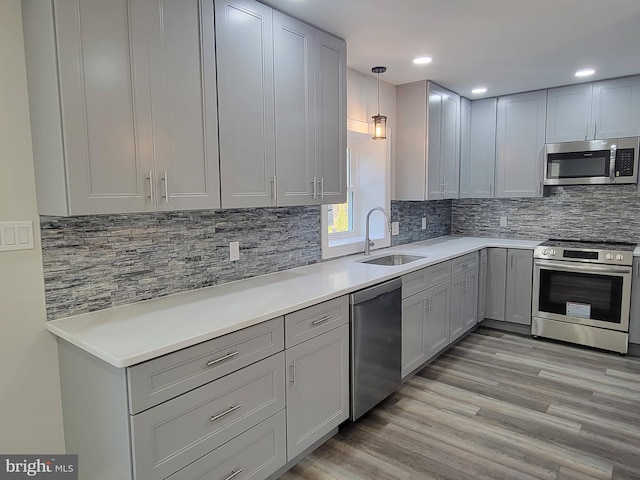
(343, 225)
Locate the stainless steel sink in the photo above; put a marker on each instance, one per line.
(393, 260)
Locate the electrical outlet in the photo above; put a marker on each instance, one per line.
(16, 236)
(424, 223)
(395, 228)
(503, 221)
(234, 251)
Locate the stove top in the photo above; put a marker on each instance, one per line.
(590, 251)
(590, 244)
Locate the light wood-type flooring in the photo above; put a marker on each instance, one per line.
(497, 406)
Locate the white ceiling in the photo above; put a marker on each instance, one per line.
(505, 45)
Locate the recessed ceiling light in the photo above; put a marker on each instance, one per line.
(479, 90)
(422, 60)
(587, 72)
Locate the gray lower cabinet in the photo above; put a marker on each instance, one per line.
(634, 319)
(425, 318)
(317, 388)
(482, 285)
(464, 304)
(509, 285)
(496, 283)
(256, 454)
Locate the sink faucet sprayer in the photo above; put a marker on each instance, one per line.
(367, 241)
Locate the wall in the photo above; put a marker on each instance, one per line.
(409, 214)
(30, 405)
(103, 261)
(603, 212)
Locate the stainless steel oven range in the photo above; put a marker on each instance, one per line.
(582, 292)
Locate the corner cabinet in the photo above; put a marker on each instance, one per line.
(282, 109)
(520, 140)
(428, 142)
(594, 111)
(123, 105)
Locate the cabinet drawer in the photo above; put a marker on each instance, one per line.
(161, 379)
(464, 264)
(256, 454)
(427, 277)
(170, 436)
(311, 322)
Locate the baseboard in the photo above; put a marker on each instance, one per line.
(506, 326)
(634, 350)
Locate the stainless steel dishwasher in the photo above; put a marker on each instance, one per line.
(376, 345)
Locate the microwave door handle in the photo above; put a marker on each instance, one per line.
(612, 163)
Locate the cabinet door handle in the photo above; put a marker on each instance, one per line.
(540, 187)
(586, 134)
(234, 473)
(226, 412)
(151, 197)
(165, 180)
(322, 320)
(511, 261)
(211, 363)
(292, 373)
(595, 129)
(490, 190)
(321, 182)
(274, 188)
(315, 191)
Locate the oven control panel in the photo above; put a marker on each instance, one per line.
(584, 255)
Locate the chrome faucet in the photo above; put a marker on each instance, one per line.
(367, 241)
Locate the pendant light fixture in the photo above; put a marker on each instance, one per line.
(379, 121)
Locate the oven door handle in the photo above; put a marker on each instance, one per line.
(591, 268)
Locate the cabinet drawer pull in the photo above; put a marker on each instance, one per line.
(322, 320)
(315, 189)
(234, 473)
(321, 182)
(226, 412)
(292, 373)
(210, 363)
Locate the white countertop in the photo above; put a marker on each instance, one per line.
(131, 334)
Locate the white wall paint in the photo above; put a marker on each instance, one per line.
(30, 405)
(362, 104)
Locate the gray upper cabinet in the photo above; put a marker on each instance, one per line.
(519, 285)
(634, 319)
(465, 145)
(331, 118)
(427, 151)
(96, 72)
(294, 109)
(616, 108)
(282, 109)
(244, 35)
(185, 117)
(520, 140)
(569, 113)
(477, 167)
(92, 148)
(593, 111)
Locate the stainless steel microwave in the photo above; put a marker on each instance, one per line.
(592, 162)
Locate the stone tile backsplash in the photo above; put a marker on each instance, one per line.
(97, 262)
(590, 212)
(410, 215)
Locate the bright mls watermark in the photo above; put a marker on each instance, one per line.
(50, 467)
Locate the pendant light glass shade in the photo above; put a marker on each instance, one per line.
(379, 121)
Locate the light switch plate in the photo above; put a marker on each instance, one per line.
(16, 236)
(503, 221)
(395, 228)
(234, 251)
(424, 223)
